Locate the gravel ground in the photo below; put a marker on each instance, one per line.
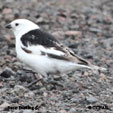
(79, 24)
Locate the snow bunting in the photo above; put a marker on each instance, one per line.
(43, 52)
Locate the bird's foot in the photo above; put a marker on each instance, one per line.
(45, 81)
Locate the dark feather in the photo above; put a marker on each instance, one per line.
(58, 57)
(38, 37)
(26, 50)
(81, 60)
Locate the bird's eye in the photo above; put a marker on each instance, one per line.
(16, 24)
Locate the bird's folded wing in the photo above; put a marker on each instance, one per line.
(59, 52)
(38, 42)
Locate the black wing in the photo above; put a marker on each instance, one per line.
(38, 37)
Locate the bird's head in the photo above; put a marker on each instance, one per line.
(21, 26)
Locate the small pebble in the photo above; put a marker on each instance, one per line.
(28, 111)
(63, 111)
(7, 11)
(15, 100)
(7, 72)
(72, 110)
(30, 94)
(91, 99)
(4, 105)
(19, 90)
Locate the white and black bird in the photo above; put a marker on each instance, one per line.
(43, 52)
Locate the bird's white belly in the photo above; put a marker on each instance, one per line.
(38, 63)
(44, 64)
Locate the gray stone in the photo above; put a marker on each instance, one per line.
(7, 72)
(72, 110)
(19, 90)
(28, 111)
(91, 99)
(30, 94)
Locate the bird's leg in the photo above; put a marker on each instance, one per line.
(35, 81)
(45, 81)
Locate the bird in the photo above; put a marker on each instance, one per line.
(43, 52)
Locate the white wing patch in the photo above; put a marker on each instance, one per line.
(38, 49)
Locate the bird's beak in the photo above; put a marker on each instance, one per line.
(8, 26)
